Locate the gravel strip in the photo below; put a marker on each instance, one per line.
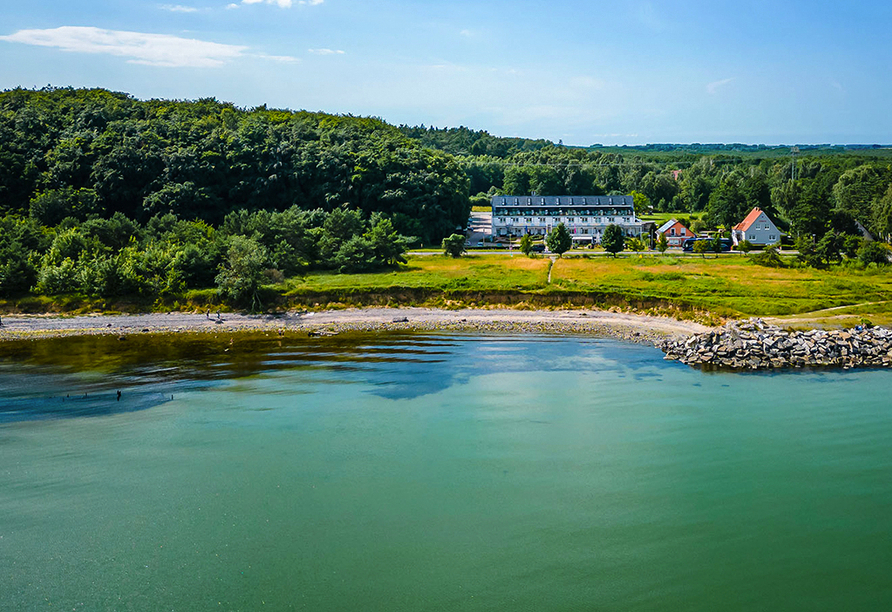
(636, 328)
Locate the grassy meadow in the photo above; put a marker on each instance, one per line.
(727, 285)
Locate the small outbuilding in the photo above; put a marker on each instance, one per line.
(675, 233)
(758, 228)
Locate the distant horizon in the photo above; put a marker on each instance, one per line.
(813, 145)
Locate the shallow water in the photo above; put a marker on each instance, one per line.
(428, 472)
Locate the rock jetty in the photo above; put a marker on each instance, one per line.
(756, 345)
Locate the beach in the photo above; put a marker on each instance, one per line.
(638, 328)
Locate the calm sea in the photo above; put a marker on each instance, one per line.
(435, 472)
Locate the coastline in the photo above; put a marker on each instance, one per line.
(630, 327)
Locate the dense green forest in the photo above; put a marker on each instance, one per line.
(104, 194)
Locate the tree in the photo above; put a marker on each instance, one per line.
(641, 202)
(662, 243)
(454, 245)
(526, 244)
(612, 240)
(727, 205)
(636, 244)
(242, 273)
(744, 246)
(701, 246)
(828, 247)
(387, 246)
(851, 245)
(559, 240)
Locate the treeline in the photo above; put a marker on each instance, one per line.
(806, 196)
(465, 141)
(166, 256)
(93, 153)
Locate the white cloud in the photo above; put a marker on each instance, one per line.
(467, 33)
(287, 59)
(231, 6)
(178, 8)
(284, 3)
(137, 47)
(716, 85)
(326, 51)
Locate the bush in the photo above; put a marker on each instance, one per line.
(768, 258)
(873, 252)
(744, 246)
(454, 245)
(53, 279)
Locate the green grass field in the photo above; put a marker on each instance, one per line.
(727, 285)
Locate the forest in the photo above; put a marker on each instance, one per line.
(104, 194)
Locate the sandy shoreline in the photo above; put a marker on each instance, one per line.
(638, 328)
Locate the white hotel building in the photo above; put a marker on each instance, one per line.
(585, 216)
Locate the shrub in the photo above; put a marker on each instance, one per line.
(873, 252)
(768, 258)
(58, 278)
(454, 245)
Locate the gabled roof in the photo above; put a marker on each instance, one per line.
(666, 226)
(750, 219)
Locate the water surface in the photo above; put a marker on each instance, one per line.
(428, 472)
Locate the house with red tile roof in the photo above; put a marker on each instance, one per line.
(758, 228)
(675, 233)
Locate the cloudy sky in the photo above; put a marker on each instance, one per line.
(611, 71)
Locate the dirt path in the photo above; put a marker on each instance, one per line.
(629, 326)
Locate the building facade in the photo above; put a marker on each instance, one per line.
(585, 216)
(675, 233)
(758, 228)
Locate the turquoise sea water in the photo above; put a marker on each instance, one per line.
(436, 472)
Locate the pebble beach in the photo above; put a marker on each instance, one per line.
(630, 327)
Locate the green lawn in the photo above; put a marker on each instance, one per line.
(727, 285)
(471, 272)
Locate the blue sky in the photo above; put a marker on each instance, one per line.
(611, 72)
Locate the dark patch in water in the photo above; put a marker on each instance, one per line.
(394, 365)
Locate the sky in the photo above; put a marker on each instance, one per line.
(605, 72)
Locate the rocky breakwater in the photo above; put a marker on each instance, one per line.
(756, 345)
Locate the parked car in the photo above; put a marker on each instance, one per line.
(688, 245)
(538, 248)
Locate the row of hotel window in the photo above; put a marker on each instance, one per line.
(557, 212)
(538, 231)
(502, 220)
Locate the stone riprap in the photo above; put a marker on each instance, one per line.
(756, 345)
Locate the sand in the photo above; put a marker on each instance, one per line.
(639, 328)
